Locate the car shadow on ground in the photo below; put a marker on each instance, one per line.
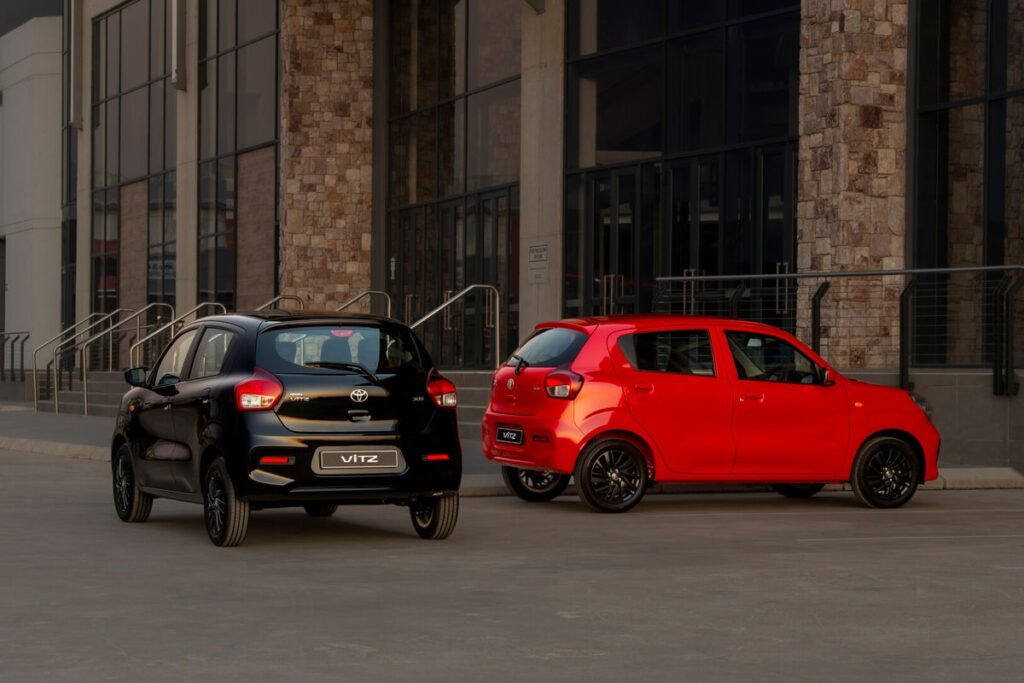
(288, 527)
(723, 502)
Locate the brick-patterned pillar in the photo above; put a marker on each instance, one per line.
(852, 193)
(326, 148)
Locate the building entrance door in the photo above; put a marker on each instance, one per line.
(726, 213)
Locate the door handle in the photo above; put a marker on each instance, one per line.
(645, 388)
(752, 397)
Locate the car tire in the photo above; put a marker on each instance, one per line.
(131, 503)
(435, 518)
(534, 486)
(226, 515)
(797, 490)
(886, 473)
(611, 476)
(320, 509)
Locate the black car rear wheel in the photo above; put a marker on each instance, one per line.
(611, 476)
(435, 518)
(886, 473)
(132, 504)
(534, 486)
(227, 515)
(797, 490)
(320, 509)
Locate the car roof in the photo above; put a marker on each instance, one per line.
(655, 320)
(255, 320)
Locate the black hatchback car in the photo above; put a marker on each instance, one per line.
(275, 409)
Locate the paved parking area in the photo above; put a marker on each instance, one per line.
(696, 587)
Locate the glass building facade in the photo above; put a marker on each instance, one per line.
(133, 150)
(238, 111)
(681, 132)
(453, 165)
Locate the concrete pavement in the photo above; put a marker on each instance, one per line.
(697, 588)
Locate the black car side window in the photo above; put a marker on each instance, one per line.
(764, 358)
(172, 365)
(212, 351)
(682, 352)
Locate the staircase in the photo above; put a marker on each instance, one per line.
(105, 392)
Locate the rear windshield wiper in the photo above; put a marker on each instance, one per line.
(520, 362)
(354, 367)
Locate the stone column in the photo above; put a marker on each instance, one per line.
(851, 213)
(326, 139)
(541, 165)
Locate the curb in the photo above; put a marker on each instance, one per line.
(490, 485)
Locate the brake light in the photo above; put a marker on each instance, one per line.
(443, 392)
(277, 460)
(436, 457)
(262, 391)
(563, 384)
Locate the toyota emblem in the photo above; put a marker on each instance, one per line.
(510, 384)
(359, 395)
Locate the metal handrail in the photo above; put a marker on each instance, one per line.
(170, 326)
(283, 297)
(74, 335)
(366, 293)
(1004, 311)
(14, 337)
(492, 318)
(84, 348)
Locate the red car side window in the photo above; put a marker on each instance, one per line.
(763, 358)
(684, 352)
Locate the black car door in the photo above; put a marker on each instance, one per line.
(196, 408)
(157, 432)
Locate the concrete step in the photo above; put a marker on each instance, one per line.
(470, 379)
(95, 398)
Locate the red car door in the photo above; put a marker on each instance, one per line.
(786, 421)
(680, 398)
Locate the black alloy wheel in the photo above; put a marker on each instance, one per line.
(797, 490)
(227, 516)
(131, 504)
(611, 476)
(534, 486)
(886, 473)
(435, 518)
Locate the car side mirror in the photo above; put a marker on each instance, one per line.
(135, 377)
(827, 380)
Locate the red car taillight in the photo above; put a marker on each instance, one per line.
(563, 384)
(262, 391)
(443, 392)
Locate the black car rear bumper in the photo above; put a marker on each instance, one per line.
(299, 482)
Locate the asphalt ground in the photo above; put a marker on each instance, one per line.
(700, 587)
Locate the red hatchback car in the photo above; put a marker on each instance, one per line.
(620, 403)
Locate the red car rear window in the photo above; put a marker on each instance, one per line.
(550, 348)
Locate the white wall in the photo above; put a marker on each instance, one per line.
(30, 175)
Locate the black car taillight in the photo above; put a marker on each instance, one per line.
(262, 391)
(443, 392)
(563, 384)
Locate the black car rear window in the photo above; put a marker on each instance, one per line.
(328, 348)
(550, 348)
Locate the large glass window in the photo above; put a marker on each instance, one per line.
(238, 85)
(681, 132)
(969, 161)
(133, 140)
(69, 183)
(453, 159)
